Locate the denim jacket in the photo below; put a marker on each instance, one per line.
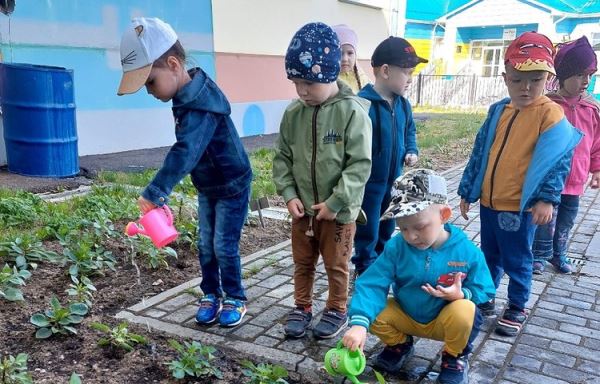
(547, 170)
(208, 146)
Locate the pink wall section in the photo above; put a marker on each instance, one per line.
(246, 78)
(254, 78)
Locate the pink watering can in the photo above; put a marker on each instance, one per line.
(157, 224)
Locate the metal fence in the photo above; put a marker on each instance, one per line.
(456, 90)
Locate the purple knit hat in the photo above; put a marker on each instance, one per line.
(575, 57)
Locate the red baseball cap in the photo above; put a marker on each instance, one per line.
(531, 51)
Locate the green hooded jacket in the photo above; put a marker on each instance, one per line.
(324, 154)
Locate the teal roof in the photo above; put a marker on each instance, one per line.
(433, 9)
(573, 6)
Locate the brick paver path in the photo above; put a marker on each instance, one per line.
(560, 343)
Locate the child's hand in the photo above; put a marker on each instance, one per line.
(451, 293)
(295, 208)
(324, 213)
(355, 338)
(595, 180)
(464, 208)
(542, 212)
(410, 159)
(145, 205)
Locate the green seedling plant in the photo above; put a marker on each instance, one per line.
(264, 373)
(81, 290)
(58, 319)
(10, 281)
(87, 258)
(26, 250)
(194, 360)
(118, 337)
(155, 257)
(13, 370)
(19, 209)
(75, 379)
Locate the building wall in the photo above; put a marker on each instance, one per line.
(251, 38)
(85, 36)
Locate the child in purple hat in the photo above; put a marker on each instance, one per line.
(575, 63)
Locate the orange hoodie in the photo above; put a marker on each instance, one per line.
(516, 136)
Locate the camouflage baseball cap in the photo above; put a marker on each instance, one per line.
(414, 191)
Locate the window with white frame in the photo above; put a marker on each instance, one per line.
(489, 56)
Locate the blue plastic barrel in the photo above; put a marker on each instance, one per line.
(40, 131)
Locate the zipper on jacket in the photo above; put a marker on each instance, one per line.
(313, 169)
(510, 124)
(394, 146)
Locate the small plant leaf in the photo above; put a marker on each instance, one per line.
(100, 327)
(13, 294)
(75, 379)
(78, 309)
(43, 333)
(39, 320)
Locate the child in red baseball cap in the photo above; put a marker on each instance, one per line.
(517, 171)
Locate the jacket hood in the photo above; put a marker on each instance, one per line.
(346, 93)
(536, 103)
(368, 92)
(201, 94)
(456, 236)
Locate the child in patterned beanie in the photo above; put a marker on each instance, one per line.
(437, 276)
(321, 165)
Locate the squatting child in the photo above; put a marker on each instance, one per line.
(437, 276)
(321, 165)
(394, 143)
(207, 147)
(517, 170)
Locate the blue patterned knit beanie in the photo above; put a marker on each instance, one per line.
(314, 54)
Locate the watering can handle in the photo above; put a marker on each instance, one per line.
(168, 213)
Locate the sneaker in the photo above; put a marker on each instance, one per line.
(297, 322)
(210, 306)
(393, 357)
(562, 265)
(455, 370)
(233, 312)
(331, 323)
(538, 267)
(488, 308)
(511, 322)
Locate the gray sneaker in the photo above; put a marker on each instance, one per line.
(331, 324)
(297, 322)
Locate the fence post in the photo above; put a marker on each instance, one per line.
(419, 87)
(473, 90)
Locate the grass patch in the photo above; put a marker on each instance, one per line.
(262, 184)
(445, 128)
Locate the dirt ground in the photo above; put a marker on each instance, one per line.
(53, 360)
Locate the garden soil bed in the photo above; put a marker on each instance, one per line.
(54, 360)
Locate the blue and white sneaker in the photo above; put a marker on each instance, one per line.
(233, 312)
(210, 307)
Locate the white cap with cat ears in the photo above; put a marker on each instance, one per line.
(146, 39)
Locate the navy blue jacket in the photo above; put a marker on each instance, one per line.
(394, 135)
(208, 146)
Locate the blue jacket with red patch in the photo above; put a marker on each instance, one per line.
(406, 268)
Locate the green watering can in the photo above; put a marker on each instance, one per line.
(340, 361)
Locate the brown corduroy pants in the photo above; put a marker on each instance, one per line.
(334, 242)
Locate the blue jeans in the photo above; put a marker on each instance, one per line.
(506, 239)
(221, 222)
(551, 239)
